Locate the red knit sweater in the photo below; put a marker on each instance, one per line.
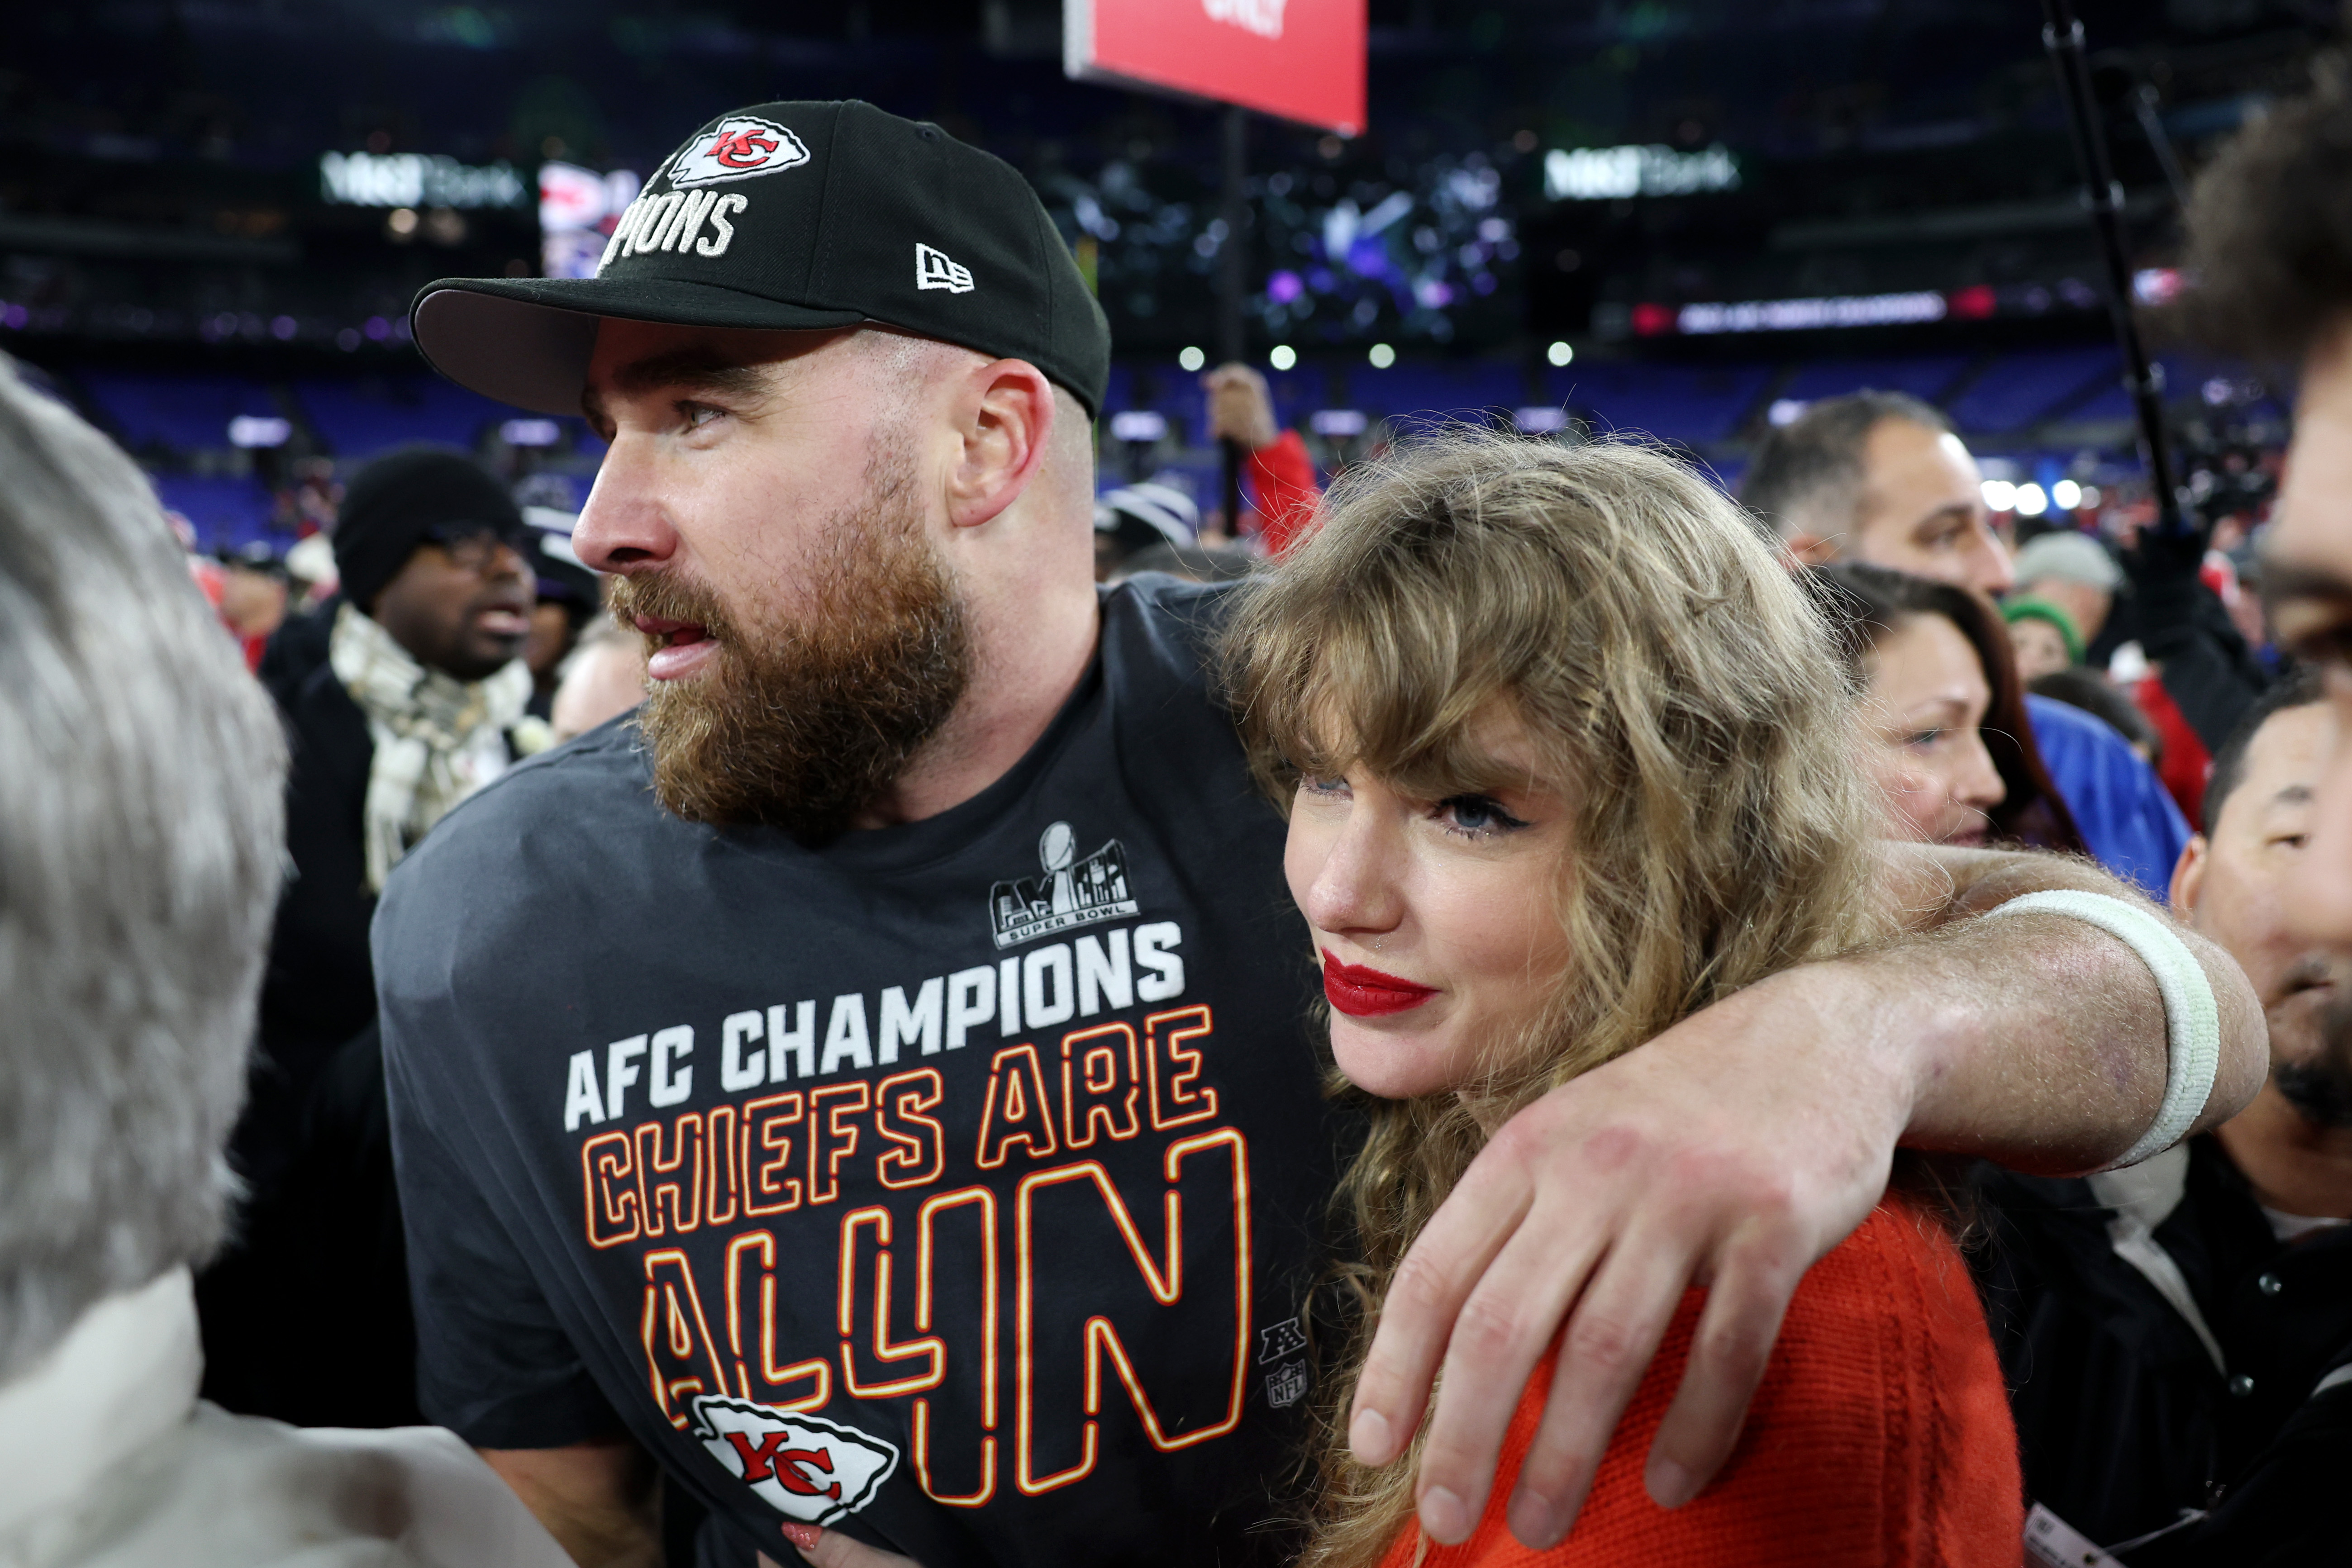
(1881, 1435)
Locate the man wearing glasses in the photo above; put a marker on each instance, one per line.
(401, 696)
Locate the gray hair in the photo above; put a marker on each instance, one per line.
(143, 772)
(1806, 476)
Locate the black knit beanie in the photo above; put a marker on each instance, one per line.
(395, 501)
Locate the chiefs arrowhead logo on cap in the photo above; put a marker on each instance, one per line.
(807, 1468)
(736, 148)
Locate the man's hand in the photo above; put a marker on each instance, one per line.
(1735, 1150)
(1239, 407)
(600, 1501)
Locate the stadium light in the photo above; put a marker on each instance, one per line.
(1560, 354)
(2032, 500)
(1192, 359)
(530, 433)
(1137, 424)
(1381, 355)
(257, 430)
(2000, 495)
(1282, 357)
(2066, 495)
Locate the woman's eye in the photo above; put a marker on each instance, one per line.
(1476, 814)
(1923, 738)
(698, 414)
(1308, 785)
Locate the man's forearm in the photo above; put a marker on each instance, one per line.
(2036, 1039)
(600, 1501)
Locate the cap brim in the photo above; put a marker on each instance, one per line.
(528, 340)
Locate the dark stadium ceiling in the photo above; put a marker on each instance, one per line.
(159, 163)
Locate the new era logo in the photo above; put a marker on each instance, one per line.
(934, 270)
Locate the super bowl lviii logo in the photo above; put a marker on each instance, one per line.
(737, 148)
(809, 1469)
(1070, 892)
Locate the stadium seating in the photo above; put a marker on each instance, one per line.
(226, 513)
(358, 419)
(178, 412)
(1926, 377)
(2021, 389)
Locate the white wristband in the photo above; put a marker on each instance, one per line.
(2192, 1019)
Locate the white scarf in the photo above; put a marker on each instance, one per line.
(438, 739)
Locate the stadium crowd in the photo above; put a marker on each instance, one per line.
(1834, 1041)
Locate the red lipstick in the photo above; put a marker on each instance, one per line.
(1366, 993)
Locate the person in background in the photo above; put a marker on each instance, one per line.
(139, 863)
(1137, 518)
(1881, 477)
(400, 697)
(2073, 571)
(2159, 1325)
(2088, 690)
(2270, 248)
(2042, 636)
(1945, 740)
(570, 595)
(1280, 479)
(603, 678)
(253, 587)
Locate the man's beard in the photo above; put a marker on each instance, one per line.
(2320, 1086)
(805, 724)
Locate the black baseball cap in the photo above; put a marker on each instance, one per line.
(788, 216)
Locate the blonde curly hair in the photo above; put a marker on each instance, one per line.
(1679, 690)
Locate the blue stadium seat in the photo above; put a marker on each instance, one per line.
(1438, 390)
(184, 413)
(226, 513)
(359, 418)
(1675, 403)
(1922, 378)
(2021, 389)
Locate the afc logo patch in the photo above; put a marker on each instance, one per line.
(737, 148)
(807, 1468)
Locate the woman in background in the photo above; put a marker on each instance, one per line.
(1945, 730)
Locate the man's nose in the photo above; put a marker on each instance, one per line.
(1990, 571)
(625, 526)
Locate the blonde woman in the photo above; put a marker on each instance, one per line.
(1567, 758)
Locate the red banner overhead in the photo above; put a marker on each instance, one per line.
(1300, 59)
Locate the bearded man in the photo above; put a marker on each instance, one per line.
(903, 1127)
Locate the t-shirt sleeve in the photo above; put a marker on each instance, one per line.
(493, 1364)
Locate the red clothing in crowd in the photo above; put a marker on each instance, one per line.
(1881, 1435)
(2185, 762)
(1282, 484)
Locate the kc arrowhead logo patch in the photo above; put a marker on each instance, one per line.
(737, 148)
(807, 1468)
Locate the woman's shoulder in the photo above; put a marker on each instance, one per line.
(1880, 1433)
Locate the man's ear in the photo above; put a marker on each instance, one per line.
(1813, 549)
(1006, 424)
(2189, 877)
